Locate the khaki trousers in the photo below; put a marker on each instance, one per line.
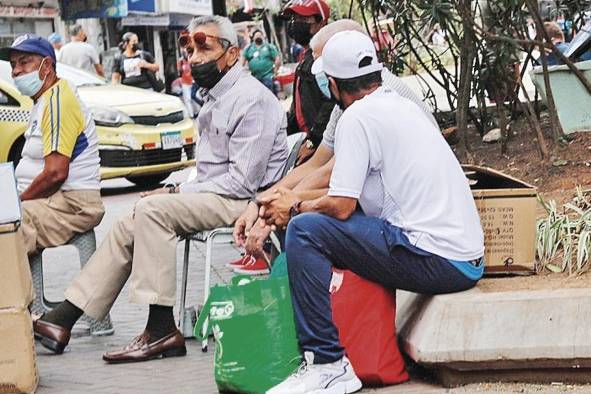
(53, 221)
(142, 247)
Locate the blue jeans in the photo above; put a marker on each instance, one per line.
(370, 247)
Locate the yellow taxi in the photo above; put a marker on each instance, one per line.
(143, 135)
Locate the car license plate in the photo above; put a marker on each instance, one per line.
(171, 140)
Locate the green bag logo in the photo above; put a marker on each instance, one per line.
(218, 334)
(221, 310)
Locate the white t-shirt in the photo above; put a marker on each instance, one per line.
(392, 159)
(61, 123)
(388, 80)
(79, 54)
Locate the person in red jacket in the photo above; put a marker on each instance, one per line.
(184, 69)
(310, 110)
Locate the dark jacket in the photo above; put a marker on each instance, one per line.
(316, 108)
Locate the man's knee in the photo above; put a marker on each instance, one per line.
(149, 206)
(306, 227)
(123, 226)
(309, 221)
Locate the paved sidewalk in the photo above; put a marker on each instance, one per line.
(81, 370)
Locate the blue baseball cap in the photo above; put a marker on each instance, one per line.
(29, 43)
(54, 38)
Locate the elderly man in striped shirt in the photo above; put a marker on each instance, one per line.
(242, 148)
(249, 230)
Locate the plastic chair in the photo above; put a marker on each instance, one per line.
(222, 235)
(85, 244)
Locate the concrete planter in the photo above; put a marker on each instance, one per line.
(572, 99)
(537, 336)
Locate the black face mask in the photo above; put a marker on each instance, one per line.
(207, 75)
(135, 47)
(300, 32)
(258, 41)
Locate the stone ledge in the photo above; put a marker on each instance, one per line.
(506, 332)
(449, 377)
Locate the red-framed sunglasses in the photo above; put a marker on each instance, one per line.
(199, 38)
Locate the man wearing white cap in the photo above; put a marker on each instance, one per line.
(416, 227)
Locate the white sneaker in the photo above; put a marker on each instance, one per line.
(335, 378)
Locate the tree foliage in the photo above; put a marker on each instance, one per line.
(484, 61)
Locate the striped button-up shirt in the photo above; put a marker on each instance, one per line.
(243, 141)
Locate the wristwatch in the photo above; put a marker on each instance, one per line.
(295, 209)
(171, 188)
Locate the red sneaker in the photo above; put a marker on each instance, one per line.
(253, 267)
(243, 260)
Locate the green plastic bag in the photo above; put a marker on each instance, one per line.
(252, 323)
(279, 266)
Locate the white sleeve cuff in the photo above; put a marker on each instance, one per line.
(327, 144)
(186, 187)
(341, 192)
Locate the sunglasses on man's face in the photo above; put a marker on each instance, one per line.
(199, 38)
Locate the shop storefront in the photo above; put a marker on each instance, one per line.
(159, 34)
(16, 20)
(160, 23)
(156, 22)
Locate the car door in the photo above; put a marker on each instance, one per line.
(14, 115)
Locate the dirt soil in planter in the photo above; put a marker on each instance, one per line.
(556, 178)
(568, 166)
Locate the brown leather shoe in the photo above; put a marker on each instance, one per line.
(140, 349)
(52, 336)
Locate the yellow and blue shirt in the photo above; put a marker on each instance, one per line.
(61, 123)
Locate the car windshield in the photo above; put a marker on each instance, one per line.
(75, 75)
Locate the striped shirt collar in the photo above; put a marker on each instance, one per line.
(227, 81)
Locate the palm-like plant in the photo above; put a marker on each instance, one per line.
(564, 237)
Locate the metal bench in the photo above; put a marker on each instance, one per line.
(188, 316)
(222, 235)
(85, 244)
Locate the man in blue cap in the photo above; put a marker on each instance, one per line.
(58, 174)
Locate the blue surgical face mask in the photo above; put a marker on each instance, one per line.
(30, 83)
(322, 82)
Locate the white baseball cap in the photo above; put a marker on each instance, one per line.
(343, 54)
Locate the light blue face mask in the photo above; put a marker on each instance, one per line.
(322, 82)
(30, 83)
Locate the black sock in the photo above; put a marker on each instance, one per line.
(65, 314)
(160, 322)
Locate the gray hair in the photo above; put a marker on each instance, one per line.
(319, 40)
(224, 25)
(127, 36)
(74, 30)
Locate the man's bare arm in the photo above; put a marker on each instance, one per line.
(307, 195)
(54, 174)
(276, 208)
(99, 69)
(295, 176)
(338, 207)
(317, 179)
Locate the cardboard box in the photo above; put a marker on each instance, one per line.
(507, 208)
(18, 366)
(16, 290)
